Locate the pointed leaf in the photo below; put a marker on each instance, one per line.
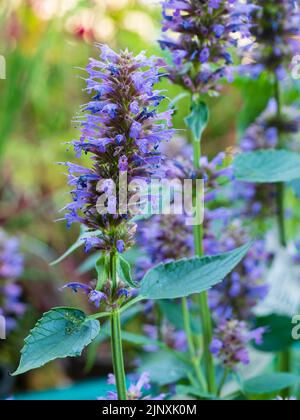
(188, 276)
(103, 269)
(267, 166)
(198, 119)
(124, 272)
(62, 332)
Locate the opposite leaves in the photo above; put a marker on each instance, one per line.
(62, 332)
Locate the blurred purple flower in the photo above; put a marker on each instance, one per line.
(136, 390)
(275, 27)
(11, 269)
(231, 341)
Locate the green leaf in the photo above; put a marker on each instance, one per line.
(270, 383)
(172, 312)
(124, 271)
(198, 119)
(62, 332)
(267, 166)
(80, 242)
(164, 368)
(103, 270)
(253, 104)
(278, 336)
(188, 276)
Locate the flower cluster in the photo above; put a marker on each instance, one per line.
(121, 130)
(11, 268)
(135, 391)
(267, 132)
(231, 341)
(275, 27)
(201, 34)
(241, 290)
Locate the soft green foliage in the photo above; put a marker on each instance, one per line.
(186, 277)
(267, 166)
(124, 271)
(62, 332)
(198, 119)
(278, 334)
(270, 383)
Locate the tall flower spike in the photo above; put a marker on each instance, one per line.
(275, 28)
(121, 131)
(201, 33)
(11, 268)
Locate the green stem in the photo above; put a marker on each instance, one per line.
(284, 364)
(203, 297)
(117, 355)
(116, 337)
(192, 350)
(280, 186)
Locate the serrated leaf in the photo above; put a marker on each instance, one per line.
(188, 276)
(267, 166)
(124, 272)
(62, 332)
(270, 383)
(198, 119)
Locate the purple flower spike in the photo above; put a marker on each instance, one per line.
(121, 131)
(202, 34)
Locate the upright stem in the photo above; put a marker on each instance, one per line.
(203, 297)
(192, 350)
(280, 186)
(116, 339)
(284, 362)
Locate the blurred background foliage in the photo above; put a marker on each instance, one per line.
(45, 44)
